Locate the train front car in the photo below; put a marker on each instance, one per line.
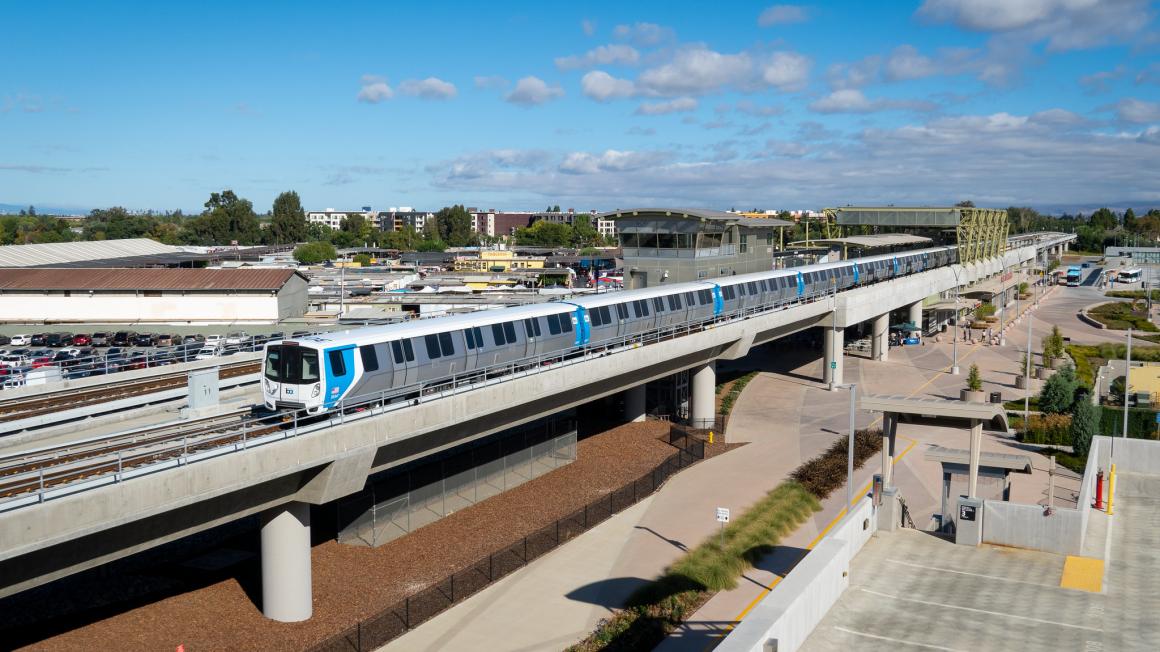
(292, 377)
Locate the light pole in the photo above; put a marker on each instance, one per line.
(1127, 374)
(1027, 381)
(853, 387)
(955, 340)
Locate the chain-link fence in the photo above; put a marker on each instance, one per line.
(406, 501)
(409, 613)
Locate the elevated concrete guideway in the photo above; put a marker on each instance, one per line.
(58, 537)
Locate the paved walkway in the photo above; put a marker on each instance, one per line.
(787, 416)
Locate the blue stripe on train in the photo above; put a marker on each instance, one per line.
(718, 300)
(336, 386)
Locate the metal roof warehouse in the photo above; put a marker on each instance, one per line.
(151, 295)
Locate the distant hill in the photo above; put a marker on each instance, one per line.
(13, 209)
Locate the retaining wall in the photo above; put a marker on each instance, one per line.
(795, 606)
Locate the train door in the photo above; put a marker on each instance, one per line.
(339, 366)
(534, 334)
(402, 363)
(473, 338)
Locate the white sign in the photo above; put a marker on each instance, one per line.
(722, 514)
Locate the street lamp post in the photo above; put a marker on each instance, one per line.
(853, 387)
(958, 316)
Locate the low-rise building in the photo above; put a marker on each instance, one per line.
(496, 261)
(251, 295)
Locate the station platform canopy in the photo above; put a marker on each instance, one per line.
(872, 241)
(979, 232)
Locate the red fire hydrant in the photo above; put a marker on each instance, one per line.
(1100, 489)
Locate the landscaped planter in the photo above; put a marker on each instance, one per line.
(979, 325)
(991, 319)
(1058, 363)
(1043, 373)
(970, 396)
(1021, 382)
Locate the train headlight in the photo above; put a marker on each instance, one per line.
(317, 390)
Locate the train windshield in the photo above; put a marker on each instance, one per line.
(291, 364)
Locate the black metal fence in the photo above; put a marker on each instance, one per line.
(414, 610)
(684, 436)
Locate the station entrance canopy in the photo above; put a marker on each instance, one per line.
(980, 232)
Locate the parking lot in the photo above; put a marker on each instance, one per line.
(33, 358)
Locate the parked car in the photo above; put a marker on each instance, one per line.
(300, 334)
(213, 340)
(43, 361)
(21, 340)
(80, 339)
(142, 339)
(206, 353)
(161, 358)
(101, 339)
(238, 338)
(135, 361)
(40, 353)
(123, 338)
(13, 360)
(190, 339)
(38, 339)
(4, 340)
(164, 340)
(58, 339)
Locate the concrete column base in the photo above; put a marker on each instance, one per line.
(890, 511)
(634, 404)
(704, 396)
(969, 532)
(286, 577)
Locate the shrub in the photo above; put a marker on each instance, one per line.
(363, 259)
(826, 472)
(1084, 425)
(985, 310)
(1120, 315)
(974, 380)
(313, 253)
(1053, 429)
(1023, 288)
(1058, 392)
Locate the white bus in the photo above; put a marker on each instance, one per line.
(1129, 276)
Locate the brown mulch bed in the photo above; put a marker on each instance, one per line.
(353, 583)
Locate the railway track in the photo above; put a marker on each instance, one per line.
(26, 407)
(56, 466)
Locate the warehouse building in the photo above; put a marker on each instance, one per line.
(172, 296)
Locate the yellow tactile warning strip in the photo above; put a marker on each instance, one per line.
(1083, 574)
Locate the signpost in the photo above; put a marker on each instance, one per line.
(722, 518)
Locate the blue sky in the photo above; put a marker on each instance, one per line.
(588, 105)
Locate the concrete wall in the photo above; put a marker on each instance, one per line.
(798, 603)
(1133, 455)
(293, 298)
(123, 308)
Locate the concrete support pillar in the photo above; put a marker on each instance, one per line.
(879, 344)
(704, 395)
(834, 348)
(634, 402)
(286, 581)
(914, 314)
(973, 468)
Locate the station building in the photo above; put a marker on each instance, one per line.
(112, 295)
(671, 245)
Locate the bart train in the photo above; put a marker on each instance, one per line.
(318, 372)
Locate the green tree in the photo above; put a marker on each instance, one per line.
(453, 225)
(1130, 220)
(354, 231)
(31, 211)
(406, 239)
(288, 224)
(1058, 392)
(583, 233)
(974, 380)
(1103, 219)
(313, 253)
(1085, 424)
(362, 259)
(545, 234)
(226, 218)
(1116, 389)
(966, 203)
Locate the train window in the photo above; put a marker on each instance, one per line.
(622, 311)
(554, 324)
(509, 329)
(370, 359)
(337, 364)
(605, 314)
(752, 287)
(705, 297)
(644, 308)
(659, 304)
(566, 323)
(409, 350)
(470, 337)
(690, 299)
(528, 329)
(446, 343)
(310, 367)
(677, 301)
(594, 317)
(432, 342)
(497, 334)
(274, 363)
(478, 336)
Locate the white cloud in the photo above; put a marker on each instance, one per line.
(786, 148)
(786, 71)
(374, 90)
(1101, 82)
(645, 35)
(852, 100)
(1064, 24)
(679, 105)
(610, 161)
(533, 91)
(604, 55)
(490, 81)
(1138, 111)
(905, 63)
(602, 86)
(750, 108)
(782, 15)
(588, 27)
(1058, 118)
(696, 71)
(431, 88)
(1149, 75)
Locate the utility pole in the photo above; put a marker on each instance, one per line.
(1027, 382)
(1127, 375)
